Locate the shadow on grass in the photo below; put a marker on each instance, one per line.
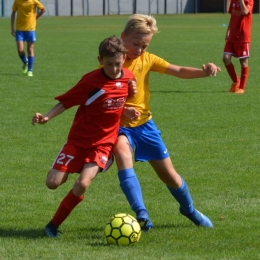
(29, 233)
(95, 235)
(188, 91)
(172, 226)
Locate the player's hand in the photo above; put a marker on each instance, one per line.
(211, 69)
(132, 89)
(13, 32)
(38, 118)
(131, 113)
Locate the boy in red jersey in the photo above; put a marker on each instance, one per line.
(25, 29)
(100, 95)
(238, 39)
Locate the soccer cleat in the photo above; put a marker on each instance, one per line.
(25, 68)
(51, 230)
(29, 73)
(144, 220)
(240, 91)
(234, 86)
(198, 218)
(145, 224)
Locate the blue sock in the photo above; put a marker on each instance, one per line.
(30, 63)
(132, 190)
(182, 195)
(23, 58)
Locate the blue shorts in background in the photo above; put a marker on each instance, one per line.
(146, 142)
(28, 36)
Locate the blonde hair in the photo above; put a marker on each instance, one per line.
(141, 23)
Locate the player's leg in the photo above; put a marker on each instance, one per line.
(31, 39)
(72, 199)
(30, 51)
(20, 38)
(128, 181)
(244, 75)
(229, 51)
(243, 52)
(70, 159)
(55, 178)
(152, 148)
(179, 190)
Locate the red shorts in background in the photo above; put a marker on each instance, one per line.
(238, 49)
(72, 158)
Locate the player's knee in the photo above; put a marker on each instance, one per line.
(80, 186)
(20, 52)
(51, 184)
(122, 153)
(226, 60)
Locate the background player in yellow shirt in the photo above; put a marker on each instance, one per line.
(25, 29)
(141, 135)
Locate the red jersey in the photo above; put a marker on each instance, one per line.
(240, 25)
(101, 102)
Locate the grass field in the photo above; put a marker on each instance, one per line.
(212, 136)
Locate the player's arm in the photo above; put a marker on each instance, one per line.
(12, 23)
(243, 7)
(131, 113)
(209, 69)
(132, 89)
(38, 118)
(42, 11)
(227, 33)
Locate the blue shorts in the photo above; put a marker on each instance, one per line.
(146, 142)
(29, 36)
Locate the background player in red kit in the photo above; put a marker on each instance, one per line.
(100, 95)
(238, 40)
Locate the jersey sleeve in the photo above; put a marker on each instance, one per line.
(14, 7)
(128, 73)
(158, 64)
(249, 5)
(39, 5)
(75, 96)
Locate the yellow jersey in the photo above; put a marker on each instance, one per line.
(141, 67)
(26, 14)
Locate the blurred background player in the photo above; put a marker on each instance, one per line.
(100, 95)
(25, 30)
(238, 38)
(142, 136)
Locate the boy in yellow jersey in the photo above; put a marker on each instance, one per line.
(25, 29)
(141, 135)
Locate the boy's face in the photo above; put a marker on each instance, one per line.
(113, 65)
(136, 44)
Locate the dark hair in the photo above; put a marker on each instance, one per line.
(111, 46)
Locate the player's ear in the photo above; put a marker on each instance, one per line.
(123, 35)
(100, 60)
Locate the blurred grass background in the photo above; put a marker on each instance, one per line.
(211, 134)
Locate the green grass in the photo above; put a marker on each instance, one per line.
(212, 136)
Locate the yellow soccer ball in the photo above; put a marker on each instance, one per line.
(122, 229)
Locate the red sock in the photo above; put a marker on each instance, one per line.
(65, 208)
(244, 75)
(232, 73)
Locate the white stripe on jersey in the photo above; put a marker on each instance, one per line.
(94, 97)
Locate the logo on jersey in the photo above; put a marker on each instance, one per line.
(114, 103)
(103, 159)
(119, 85)
(139, 68)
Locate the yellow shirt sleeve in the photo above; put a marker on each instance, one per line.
(26, 14)
(141, 67)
